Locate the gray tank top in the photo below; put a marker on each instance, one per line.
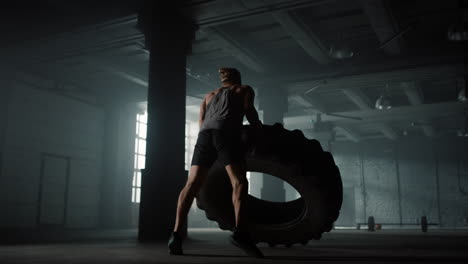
(224, 111)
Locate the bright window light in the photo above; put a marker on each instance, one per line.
(140, 155)
(248, 179)
(191, 132)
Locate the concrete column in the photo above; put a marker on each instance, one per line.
(118, 163)
(274, 104)
(168, 37)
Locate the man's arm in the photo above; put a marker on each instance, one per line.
(249, 108)
(202, 113)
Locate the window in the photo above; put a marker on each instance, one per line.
(140, 155)
(250, 185)
(191, 131)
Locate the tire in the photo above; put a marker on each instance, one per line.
(295, 159)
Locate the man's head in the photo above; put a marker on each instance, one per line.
(229, 76)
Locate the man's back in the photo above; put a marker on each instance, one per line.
(224, 107)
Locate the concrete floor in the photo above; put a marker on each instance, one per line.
(211, 246)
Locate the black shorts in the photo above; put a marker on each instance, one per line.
(215, 144)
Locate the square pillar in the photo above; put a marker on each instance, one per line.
(168, 37)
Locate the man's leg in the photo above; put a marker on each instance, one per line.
(240, 186)
(196, 177)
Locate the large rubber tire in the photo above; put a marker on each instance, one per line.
(295, 159)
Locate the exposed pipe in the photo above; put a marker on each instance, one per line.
(344, 116)
(396, 36)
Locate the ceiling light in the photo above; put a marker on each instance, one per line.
(462, 133)
(340, 53)
(383, 102)
(462, 95)
(458, 32)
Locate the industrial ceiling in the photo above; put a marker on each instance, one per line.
(334, 59)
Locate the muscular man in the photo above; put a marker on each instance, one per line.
(221, 114)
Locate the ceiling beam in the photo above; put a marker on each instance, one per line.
(134, 50)
(304, 36)
(307, 102)
(231, 46)
(348, 133)
(388, 132)
(358, 97)
(116, 70)
(363, 102)
(138, 79)
(93, 39)
(384, 24)
(141, 81)
(415, 97)
(380, 78)
(396, 114)
(212, 13)
(129, 77)
(300, 100)
(413, 92)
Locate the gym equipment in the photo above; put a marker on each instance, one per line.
(371, 225)
(295, 159)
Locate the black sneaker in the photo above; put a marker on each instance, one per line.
(175, 244)
(244, 242)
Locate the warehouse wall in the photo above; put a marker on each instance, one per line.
(117, 209)
(46, 133)
(427, 172)
(4, 95)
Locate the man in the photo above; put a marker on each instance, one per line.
(221, 115)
